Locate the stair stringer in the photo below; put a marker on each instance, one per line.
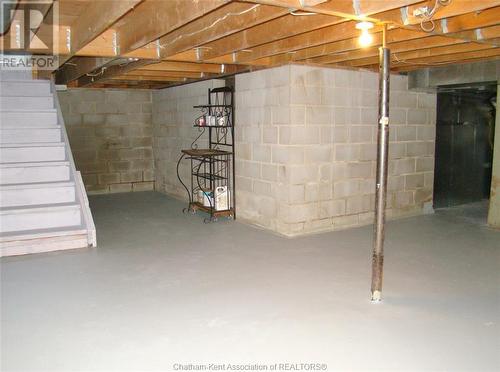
(81, 194)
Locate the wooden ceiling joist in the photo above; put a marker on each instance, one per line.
(454, 57)
(243, 48)
(464, 20)
(157, 43)
(94, 20)
(277, 29)
(348, 30)
(395, 47)
(488, 35)
(454, 8)
(173, 74)
(420, 54)
(152, 19)
(355, 10)
(220, 23)
(126, 84)
(77, 67)
(398, 12)
(104, 46)
(316, 37)
(97, 17)
(193, 67)
(138, 77)
(437, 61)
(109, 72)
(398, 40)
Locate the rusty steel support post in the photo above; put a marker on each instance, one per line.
(382, 164)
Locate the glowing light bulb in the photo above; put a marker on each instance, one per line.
(365, 39)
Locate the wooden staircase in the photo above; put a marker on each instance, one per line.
(43, 204)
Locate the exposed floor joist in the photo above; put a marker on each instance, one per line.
(78, 67)
(347, 30)
(107, 73)
(153, 19)
(156, 42)
(422, 54)
(96, 18)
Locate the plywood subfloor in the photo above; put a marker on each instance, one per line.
(165, 288)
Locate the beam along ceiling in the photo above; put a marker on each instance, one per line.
(160, 43)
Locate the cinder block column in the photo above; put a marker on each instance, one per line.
(306, 148)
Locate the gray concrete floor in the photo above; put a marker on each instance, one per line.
(164, 288)
(473, 213)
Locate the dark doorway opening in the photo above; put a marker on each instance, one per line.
(465, 128)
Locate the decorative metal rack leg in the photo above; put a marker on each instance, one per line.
(189, 208)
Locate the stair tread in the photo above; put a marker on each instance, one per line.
(46, 126)
(27, 80)
(42, 233)
(32, 110)
(33, 144)
(35, 164)
(36, 207)
(44, 95)
(24, 110)
(19, 110)
(20, 126)
(36, 185)
(48, 94)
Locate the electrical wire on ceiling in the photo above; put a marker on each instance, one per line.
(121, 62)
(420, 63)
(218, 20)
(426, 14)
(300, 13)
(128, 61)
(96, 74)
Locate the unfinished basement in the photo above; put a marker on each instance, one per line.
(249, 185)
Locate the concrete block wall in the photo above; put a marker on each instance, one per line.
(264, 157)
(306, 148)
(110, 132)
(173, 119)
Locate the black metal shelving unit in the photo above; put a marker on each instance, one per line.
(212, 169)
